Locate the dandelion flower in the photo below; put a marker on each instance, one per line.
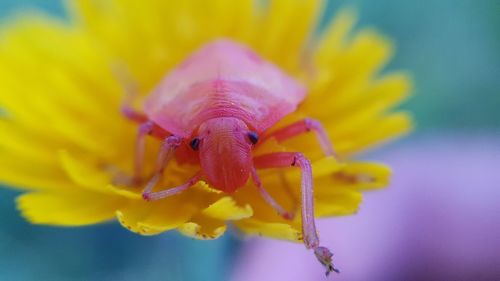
(64, 139)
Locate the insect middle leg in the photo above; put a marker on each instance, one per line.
(145, 129)
(303, 126)
(269, 199)
(294, 159)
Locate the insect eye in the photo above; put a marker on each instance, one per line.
(195, 143)
(253, 137)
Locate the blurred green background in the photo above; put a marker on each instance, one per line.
(452, 48)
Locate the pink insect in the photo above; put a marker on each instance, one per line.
(213, 109)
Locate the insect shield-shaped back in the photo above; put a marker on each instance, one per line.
(225, 154)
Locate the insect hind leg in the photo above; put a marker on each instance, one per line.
(311, 239)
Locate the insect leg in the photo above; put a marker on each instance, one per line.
(144, 130)
(166, 153)
(269, 199)
(303, 126)
(294, 159)
(151, 196)
(132, 114)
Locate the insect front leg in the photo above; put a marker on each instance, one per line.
(152, 196)
(294, 159)
(303, 126)
(167, 150)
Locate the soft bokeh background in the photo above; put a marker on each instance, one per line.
(439, 220)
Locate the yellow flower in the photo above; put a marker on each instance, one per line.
(64, 139)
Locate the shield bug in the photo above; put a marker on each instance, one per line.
(219, 103)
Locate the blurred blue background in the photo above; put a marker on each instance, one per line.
(452, 47)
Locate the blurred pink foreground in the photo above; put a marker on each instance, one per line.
(439, 220)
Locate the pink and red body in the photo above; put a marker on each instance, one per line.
(211, 111)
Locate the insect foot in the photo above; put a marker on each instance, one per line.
(146, 196)
(324, 256)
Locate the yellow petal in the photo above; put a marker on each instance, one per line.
(68, 208)
(380, 96)
(206, 187)
(203, 228)
(227, 209)
(338, 194)
(28, 161)
(381, 130)
(82, 172)
(20, 174)
(150, 218)
(271, 229)
(76, 84)
(335, 35)
(89, 175)
(336, 201)
(26, 145)
(154, 26)
(363, 175)
(349, 74)
(130, 193)
(269, 146)
(290, 21)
